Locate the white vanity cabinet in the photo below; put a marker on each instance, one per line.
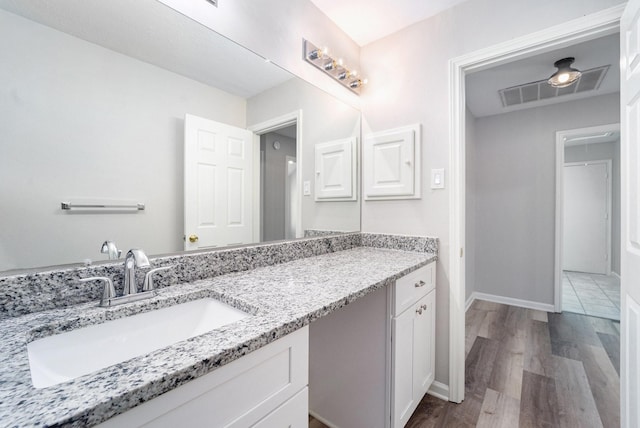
(266, 388)
(413, 342)
(372, 361)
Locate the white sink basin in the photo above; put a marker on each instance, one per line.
(60, 358)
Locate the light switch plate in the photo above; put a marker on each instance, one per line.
(306, 188)
(437, 178)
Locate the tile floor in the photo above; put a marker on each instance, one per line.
(591, 294)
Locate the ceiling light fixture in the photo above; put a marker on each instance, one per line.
(566, 75)
(320, 59)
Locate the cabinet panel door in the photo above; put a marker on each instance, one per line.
(424, 344)
(403, 402)
(391, 164)
(336, 170)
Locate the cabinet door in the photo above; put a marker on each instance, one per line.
(424, 344)
(336, 170)
(391, 164)
(403, 397)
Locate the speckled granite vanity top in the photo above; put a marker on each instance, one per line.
(281, 298)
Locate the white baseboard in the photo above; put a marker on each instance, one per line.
(617, 275)
(469, 302)
(511, 301)
(321, 419)
(439, 390)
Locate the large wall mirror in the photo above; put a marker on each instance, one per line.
(121, 103)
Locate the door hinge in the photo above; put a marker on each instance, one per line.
(461, 252)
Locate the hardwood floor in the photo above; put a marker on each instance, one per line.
(527, 368)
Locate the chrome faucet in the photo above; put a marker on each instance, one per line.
(134, 258)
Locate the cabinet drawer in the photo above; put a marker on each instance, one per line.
(236, 395)
(412, 287)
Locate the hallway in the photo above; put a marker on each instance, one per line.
(529, 368)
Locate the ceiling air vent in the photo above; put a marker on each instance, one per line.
(541, 90)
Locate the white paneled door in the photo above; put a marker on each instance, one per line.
(630, 180)
(218, 184)
(586, 223)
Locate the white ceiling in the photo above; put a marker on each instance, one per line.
(154, 33)
(368, 20)
(482, 87)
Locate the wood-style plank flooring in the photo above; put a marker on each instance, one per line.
(526, 368)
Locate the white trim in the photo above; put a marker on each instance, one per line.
(470, 300)
(568, 33)
(293, 118)
(616, 274)
(439, 390)
(560, 163)
(321, 419)
(528, 304)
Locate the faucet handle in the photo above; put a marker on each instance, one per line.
(109, 290)
(109, 247)
(148, 278)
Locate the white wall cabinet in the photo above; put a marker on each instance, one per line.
(391, 164)
(335, 163)
(265, 388)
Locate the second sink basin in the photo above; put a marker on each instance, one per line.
(66, 356)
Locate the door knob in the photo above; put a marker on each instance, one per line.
(193, 238)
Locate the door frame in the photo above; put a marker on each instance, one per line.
(582, 29)
(561, 137)
(271, 125)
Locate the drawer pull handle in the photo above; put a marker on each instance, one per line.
(420, 284)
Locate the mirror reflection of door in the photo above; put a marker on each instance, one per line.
(218, 184)
(279, 205)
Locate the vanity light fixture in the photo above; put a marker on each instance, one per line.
(566, 75)
(319, 58)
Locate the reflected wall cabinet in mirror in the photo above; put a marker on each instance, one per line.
(94, 111)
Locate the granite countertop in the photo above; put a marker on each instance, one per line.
(280, 298)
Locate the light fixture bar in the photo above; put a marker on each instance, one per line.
(319, 58)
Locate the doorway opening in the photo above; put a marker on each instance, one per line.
(278, 201)
(587, 276)
(278, 187)
(582, 29)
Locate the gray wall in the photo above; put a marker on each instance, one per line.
(587, 152)
(273, 186)
(515, 194)
(86, 122)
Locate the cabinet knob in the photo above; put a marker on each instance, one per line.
(419, 311)
(420, 284)
(193, 238)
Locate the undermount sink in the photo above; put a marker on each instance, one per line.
(66, 356)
